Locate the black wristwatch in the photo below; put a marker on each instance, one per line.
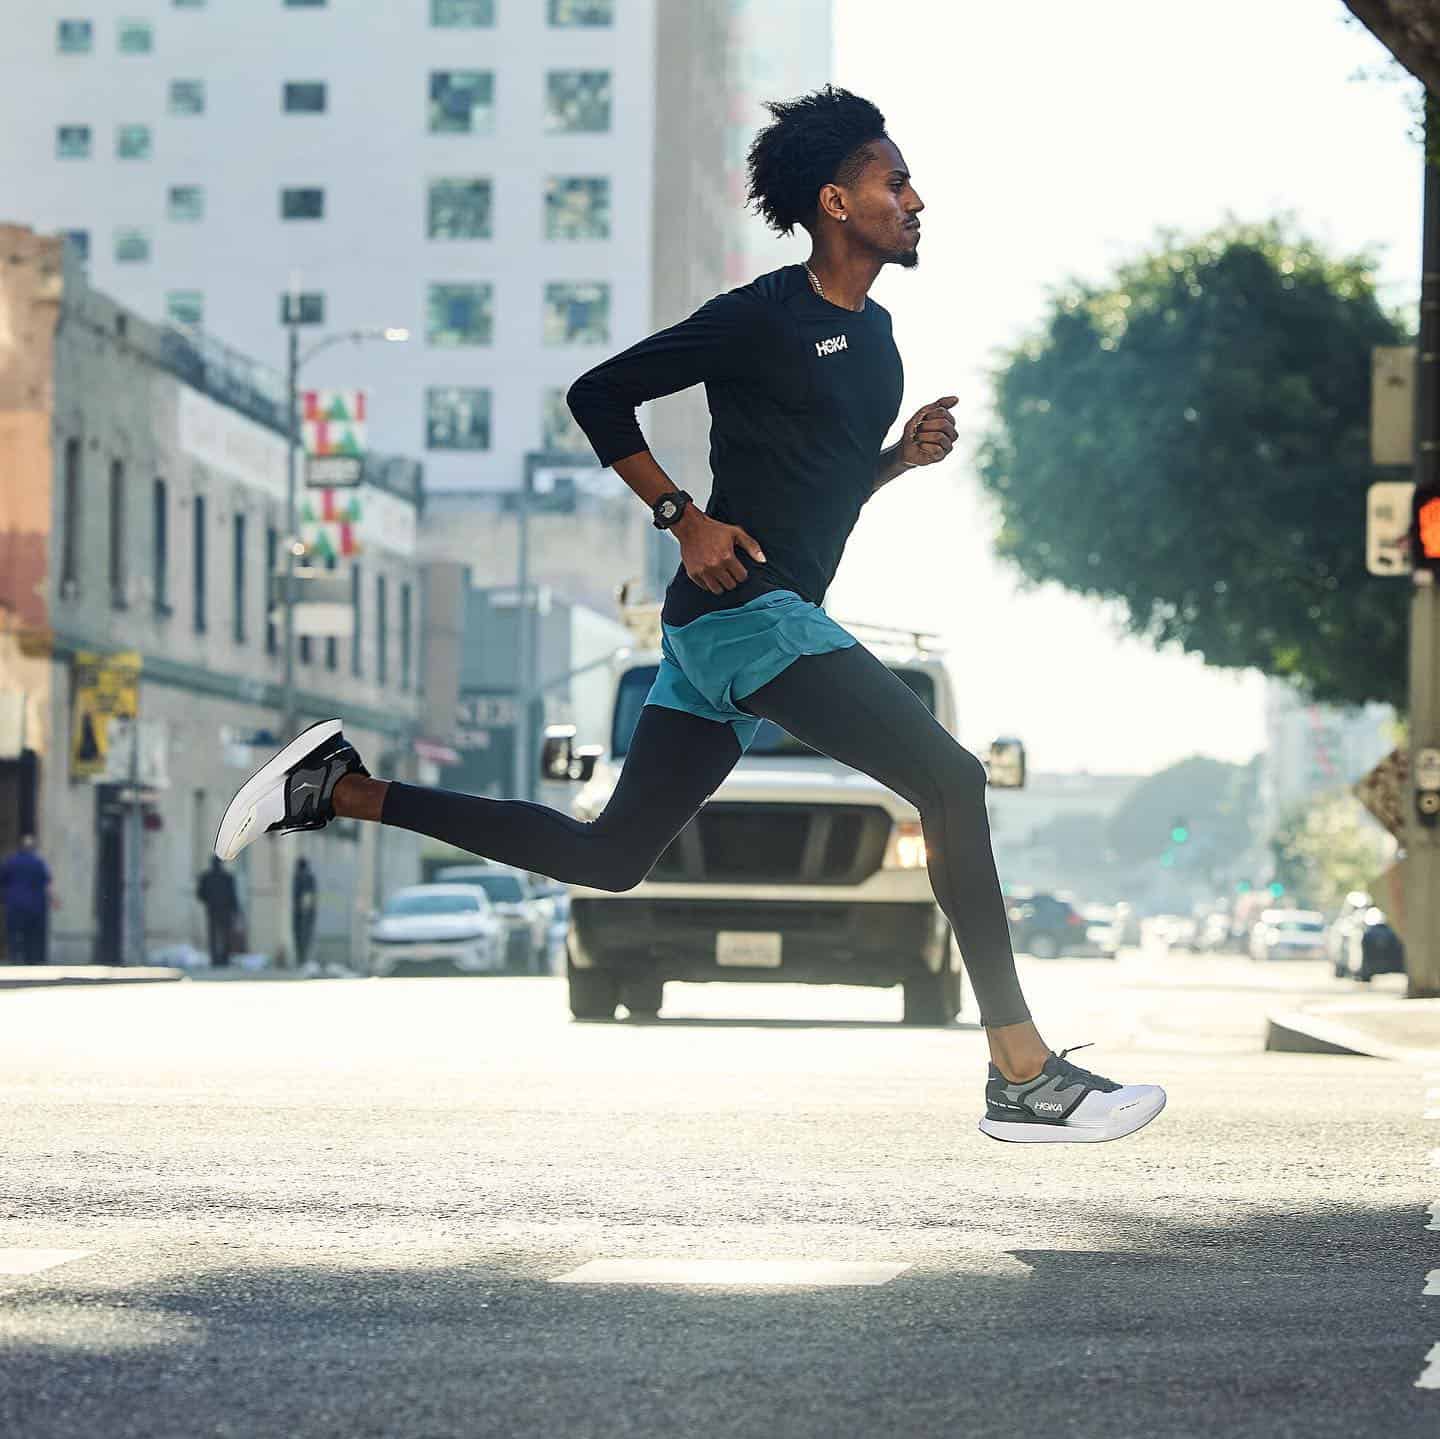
(668, 508)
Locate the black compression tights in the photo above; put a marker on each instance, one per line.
(846, 704)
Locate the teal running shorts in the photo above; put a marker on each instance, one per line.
(707, 663)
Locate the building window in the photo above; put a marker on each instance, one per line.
(185, 307)
(74, 37)
(559, 434)
(186, 202)
(132, 246)
(238, 576)
(466, 14)
(382, 619)
(460, 315)
(405, 637)
(272, 556)
(160, 546)
(135, 37)
(79, 241)
(305, 4)
(187, 97)
(462, 102)
(577, 207)
(357, 632)
(577, 102)
(304, 649)
(577, 312)
(305, 97)
(457, 418)
(582, 12)
(308, 309)
(117, 534)
(198, 542)
(303, 203)
(70, 543)
(72, 142)
(459, 210)
(132, 142)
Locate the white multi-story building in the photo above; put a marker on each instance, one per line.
(526, 185)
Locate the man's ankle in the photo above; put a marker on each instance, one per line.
(357, 796)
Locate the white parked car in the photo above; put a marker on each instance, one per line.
(437, 929)
(1288, 934)
(522, 908)
(1102, 931)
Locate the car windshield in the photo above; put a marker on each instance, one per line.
(419, 902)
(502, 888)
(1300, 926)
(769, 738)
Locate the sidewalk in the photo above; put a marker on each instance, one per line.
(36, 976)
(1382, 1026)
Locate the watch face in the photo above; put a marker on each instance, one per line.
(667, 508)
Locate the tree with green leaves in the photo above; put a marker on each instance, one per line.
(1192, 440)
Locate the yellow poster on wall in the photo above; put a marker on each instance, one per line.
(106, 687)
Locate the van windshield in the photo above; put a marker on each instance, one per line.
(769, 738)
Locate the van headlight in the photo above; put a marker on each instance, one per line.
(905, 848)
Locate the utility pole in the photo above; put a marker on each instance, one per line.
(292, 428)
(1422, 840)
(523, 777)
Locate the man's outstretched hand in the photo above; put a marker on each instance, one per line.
(929, 433)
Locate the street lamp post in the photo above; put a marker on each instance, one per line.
(293, 546)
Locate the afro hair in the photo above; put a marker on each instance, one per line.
(817, 139)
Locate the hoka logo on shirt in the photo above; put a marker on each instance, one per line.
(828, 347)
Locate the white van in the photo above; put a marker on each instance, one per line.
(797, 869)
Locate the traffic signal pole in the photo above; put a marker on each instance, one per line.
(1422, 840)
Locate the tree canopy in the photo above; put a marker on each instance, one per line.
(1192, 440)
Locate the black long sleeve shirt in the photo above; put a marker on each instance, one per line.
(802, 394)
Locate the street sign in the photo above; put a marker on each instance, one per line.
(333, 472)
(1382, 791)
(1392, 404)
(106, 687)
(1387, 521)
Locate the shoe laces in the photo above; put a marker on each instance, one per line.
(1073, 1071)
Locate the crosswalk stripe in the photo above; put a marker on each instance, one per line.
(1432, 1282)
(32, 1261)
(731, 1271)
(1430, 1376)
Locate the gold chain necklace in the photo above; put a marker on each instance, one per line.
(820, 289)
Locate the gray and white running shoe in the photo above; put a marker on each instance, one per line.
(1066, 1104)
(292, 791)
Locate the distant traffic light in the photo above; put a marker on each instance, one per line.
(1242, 886)
(1276, 888)
(1180, 832)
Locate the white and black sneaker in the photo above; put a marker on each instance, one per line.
(1066, 1104)
(293, 791)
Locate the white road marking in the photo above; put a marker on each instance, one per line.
(32, 1261)
(1432, 1282)
(1430, 1376)
(1434, 1216)
(1431, 1114)
(1435, 1158)
(731, 1271)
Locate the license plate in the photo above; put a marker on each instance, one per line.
(755, 949)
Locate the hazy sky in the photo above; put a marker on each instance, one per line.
(1050, 140)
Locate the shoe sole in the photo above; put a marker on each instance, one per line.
(1026, 1133)
(235, 820)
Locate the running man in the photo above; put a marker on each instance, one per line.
(803, 382)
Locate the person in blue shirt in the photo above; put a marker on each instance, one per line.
(25, 893)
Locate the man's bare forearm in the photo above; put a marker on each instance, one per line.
(890, 465)
(642, 472)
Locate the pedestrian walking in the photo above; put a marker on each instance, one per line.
(1381, 949)
(803, 381)
(302, 910)
(26, 895)
(216, 891)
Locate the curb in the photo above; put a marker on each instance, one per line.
(1300, 1031)
(48, 977)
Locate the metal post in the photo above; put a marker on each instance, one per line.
(1422, 843)
(523, 777)
(133, 926)
(288, 725)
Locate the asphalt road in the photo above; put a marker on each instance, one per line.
(342, 1208)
